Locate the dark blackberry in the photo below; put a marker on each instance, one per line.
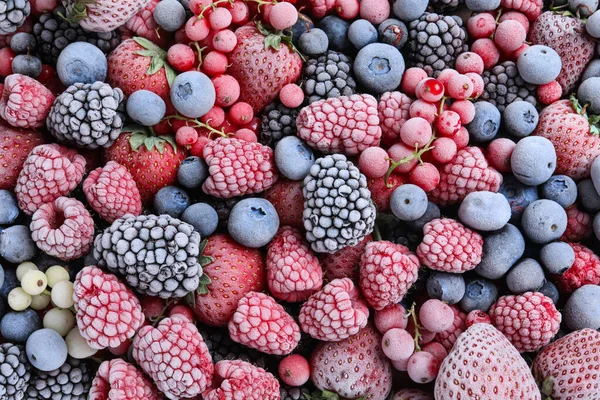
(329, 75)
(14, 372)
(223, 208)
(503, 85)
(434, 42)
(13, 14)
(442, 6)
(221, 347)
(293, 393)
(72, 381)
(278, 121)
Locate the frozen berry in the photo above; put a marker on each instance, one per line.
(509, 35)
(224, 41)
(469, 62)
(426, 176)
(283, 15)
(291, 95)
(423, 367)
(181, 57)
(241, 113)
(416, 132)
(430, 90)
(435, 316)
(220, 18)
(374, 162)
(411, 79)
(397, 344)
(294, 370)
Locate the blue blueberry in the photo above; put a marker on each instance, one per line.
(16, 244)
(81, 62)
(501, 250)
(293, 158)
(379, 67)
(592, 26)
(561, 189)
(171, 200)
(519, 196)
(582, 310)
(408, 202)
(432, 212)
(28, 65)
(362, 33)
(9, 208)
(486, 123)
(595, 173)
(193, 94)
(192, 172)
(1, 275)
(169, 15)
(23, 43)
(550, 290)
(597, 226)
(520, 118)
(393, 32)
(588, 196)
(533, 160)
(17, 326)
(482, 5)
(544, 221)
(10, 282)
(526, 276)
(303, 24)
(202, 217)
(588, 93)
(583, 8)
(337, 32)
(593, 68)
(409, 10)
(446, 287)
(480, 294)
(46, 350)
(485, 211)
(557, 257)
(539, 64)
(253, 222)
(146, 107)
(313, 42)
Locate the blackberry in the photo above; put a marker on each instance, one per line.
(503, 85)
(13, 14)
(293, 393)
(14, 372)
(223, 208)
(434, 42)
(442, 6)
(278, 121)
(72, 381)
(329, 75)
(221, 347)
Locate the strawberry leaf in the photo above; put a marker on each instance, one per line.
(547, 386)
(202, 289)
(171, 141)
(145, 53)
(156, 64)
(136, 140)
(148, 45)
(171, 74)
(272, 41)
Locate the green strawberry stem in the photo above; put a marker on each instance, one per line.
(593, 120)
(77, 12)
(141, 135)
(326, 395)
(198, 124)
(216, 3)
(158, 59)
(202, 288)
(413, 313)
(273, 39)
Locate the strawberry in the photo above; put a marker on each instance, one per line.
(152, 161)
(102, 15)
(262, 64)
(286, 196)
(15, 145)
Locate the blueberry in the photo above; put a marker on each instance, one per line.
(46, 350)
(550, 290)
(501, 250)
(544, 221)
(313, 42)
(595, 173)
(253, 222)
(409, 10)
(17, 326)
(482, 5)
(10, 282)
(597, 226)
(432, 212)
(561, 189)
(1, 275)
(303, 24)
(446, 287)
(533, 160)
(25, 64)
(337, 32)
(588, 196)
(485, 211)
(557, 257)
(169, 15)
(171, 200)
(588, 94)
(480, 294)
(9, 209)
(592, 26)
(379, 67)
(593, 68)
(582, 310)
(23, 43)
(520, 118)
(202, 217)
(408, 202)
(526, 276)
(293, 158)
(16, 244)
(583, 8)
(362, 33)
(393, 32)
(146, 107)
(539, 64)
(519, 196)
(193, 94)
(81, 62)
(192, 172)
(3, 310)
(486, 123)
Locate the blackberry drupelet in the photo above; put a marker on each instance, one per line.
(329, 75)
(14, 372)
(503, 85)
(293, 393)
(278, 121)
(221, 347)
(72, 381)
(444, 6)
(13, 14)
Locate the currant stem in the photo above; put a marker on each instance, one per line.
(215, 3)
(412, 312)
(199, 124)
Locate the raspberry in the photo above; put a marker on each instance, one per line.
(25, 102)
(531, 8)
(238, 168)
(112, 192)
(448, 337)
(259, 322)
(63, 229)
(119, 380)
(584, 271)
(293, 270)
(50, 171)
(174, 355)
(579, 225)
(334, 313)
(107, 311)
(241, 380)
(343, 124)
(345, 262)
(143, 24)
(321, 8)
(529, 321)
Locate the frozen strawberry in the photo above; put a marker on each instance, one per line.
(286, 196)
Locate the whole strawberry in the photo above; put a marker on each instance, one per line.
(286, 196)
(102, 15)
(238, 379)
(15, 146)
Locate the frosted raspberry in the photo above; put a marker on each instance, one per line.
(584, 271)
(50, 171)
(468, 172)
(261, 323)
(293, 270)
(143, 24)
(175, 356)
(238, 167)
(119, 380)
(25, 102)
(239, 379)
(529, 321)
(450, 246)
(334, 313)
(63, 229)
(449, 336)
(112, 192)
(393, 110)
(344, 263)
(387, 271)
(107, 311)
(579, 225)
(531, 8)
(346, 124)
(320, 8)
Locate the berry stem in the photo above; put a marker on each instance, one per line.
(376, 233)
(198, 124)
(199, 50)
(216, 3)
(417, 335)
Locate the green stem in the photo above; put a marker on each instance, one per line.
(216, 3)
(199, 124)
(417, 335)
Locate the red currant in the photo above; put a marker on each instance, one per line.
(430, 90)
(181, 57)
(426, 176)
(241, 113)
(448, 123)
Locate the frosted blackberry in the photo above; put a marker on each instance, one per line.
(442, 6)
(14, 372)
(338, 211)
(329, 75)
(434, 42)
(293, 393)
(72, 381)
(503, 85)
(13, 14)
(221, 347)
(278, 121)
(156, 254)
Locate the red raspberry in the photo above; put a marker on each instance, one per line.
(341, 124)
(334, 313)
(321, 8)
(25, 102)
(387, 271)
(175, 356)
(579, 225)
(344, 263)
(293, 270)
(259, 322)
(238, 168)
(50, 171)
(119, 380)
(448, 337)
(529, 321)
(450, 246)
(107, 311)
(63, 229)
(468, 172)
(143, 24)
(112, 192)
(584, 271)
(531, 8)
(239, 379)
(288, 200)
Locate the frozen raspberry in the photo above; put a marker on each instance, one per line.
(531, 8)
(63, 229)
(259, 322)
(579, 225)
(238, 167)
(529, 321)
(175, 356)
(239, 379)
(345, 262)
(387, 271)
(449, 336)
(25, 102)
(334, 313)
(119, 380)
(320, 8)
(107, 311)
(293, 270)
(584, 271)
(340, 124)
(50, 171)
(393, 108)
(112, 192)
(143, 24)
